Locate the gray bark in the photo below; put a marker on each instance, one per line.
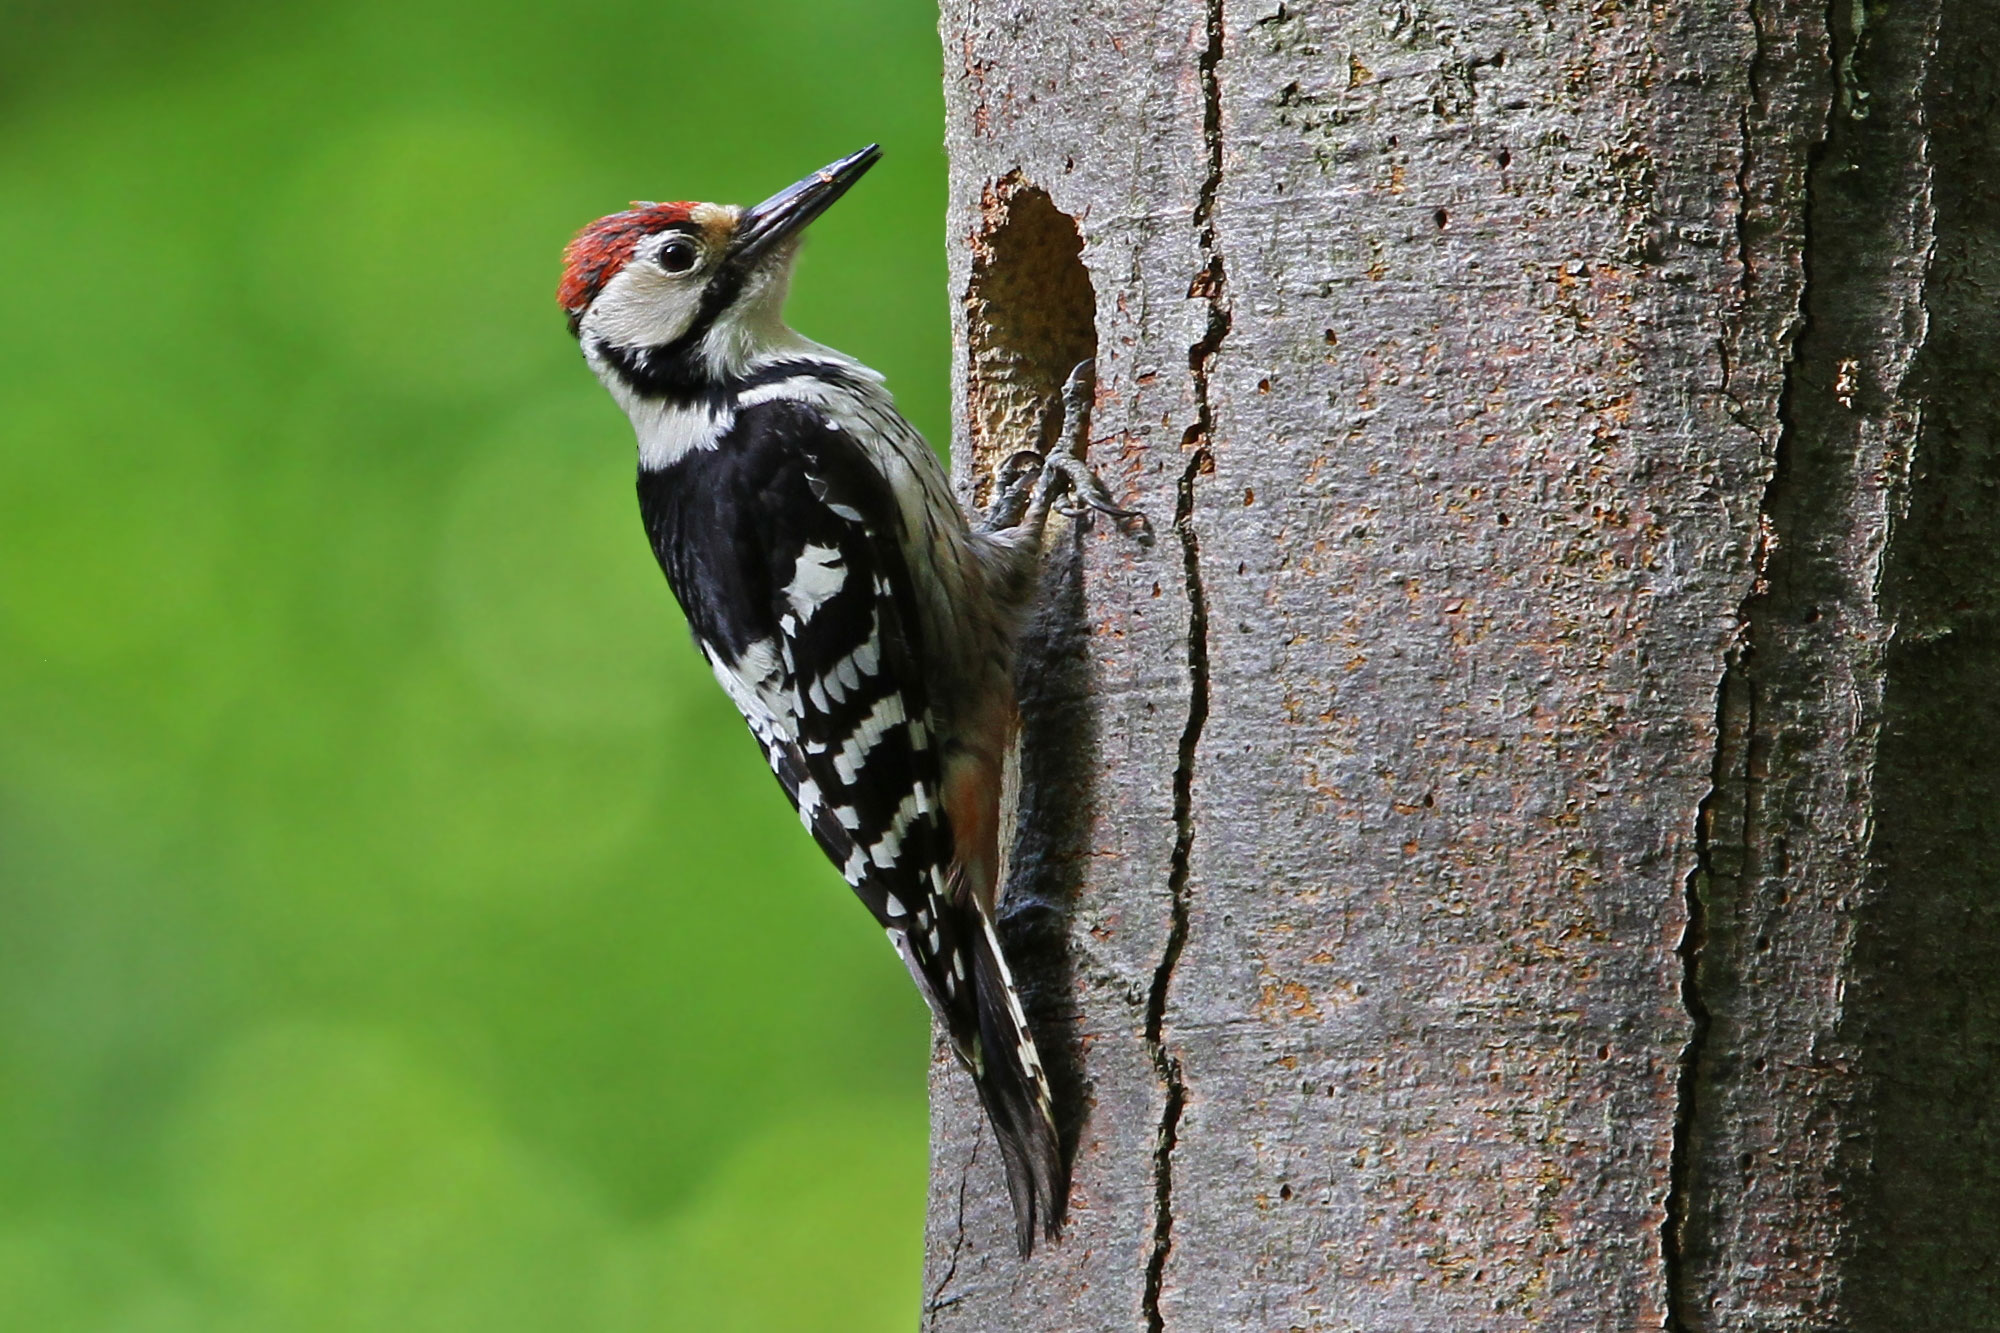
(1518, 850)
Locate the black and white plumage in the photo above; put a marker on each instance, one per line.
(861, 625)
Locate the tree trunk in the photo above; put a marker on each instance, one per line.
(1517, 850)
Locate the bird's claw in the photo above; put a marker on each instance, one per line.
(1020, 468)
(1088, 494)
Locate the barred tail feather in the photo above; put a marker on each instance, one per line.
(1013, 1087)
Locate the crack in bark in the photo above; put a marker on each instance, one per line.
(1732, 791)
(1207, 285)
(936, 1303)
(1725, 783)
(1165, 1065)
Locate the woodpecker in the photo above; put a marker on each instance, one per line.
(862, 624)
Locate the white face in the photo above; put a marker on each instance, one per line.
(655, 298)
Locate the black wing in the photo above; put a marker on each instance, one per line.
(785, 547)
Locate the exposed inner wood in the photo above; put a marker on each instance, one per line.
(1030, 316)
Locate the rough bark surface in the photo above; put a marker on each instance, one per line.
(1516, 850)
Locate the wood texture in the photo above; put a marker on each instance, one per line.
(1479, 866)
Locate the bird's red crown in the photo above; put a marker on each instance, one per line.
(606, 246)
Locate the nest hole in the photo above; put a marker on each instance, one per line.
(1030, 317)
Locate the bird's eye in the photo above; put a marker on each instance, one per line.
(678, 255)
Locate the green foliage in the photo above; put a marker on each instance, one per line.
(397, 930)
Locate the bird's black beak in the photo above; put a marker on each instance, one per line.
(790, 209)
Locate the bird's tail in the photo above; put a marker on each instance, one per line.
(1014, 1088)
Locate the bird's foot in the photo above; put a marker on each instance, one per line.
(1029, 485)
(1064, 466)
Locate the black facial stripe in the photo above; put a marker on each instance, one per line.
(675, 372)
(718, 296)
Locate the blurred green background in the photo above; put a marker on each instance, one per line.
(397, 929)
